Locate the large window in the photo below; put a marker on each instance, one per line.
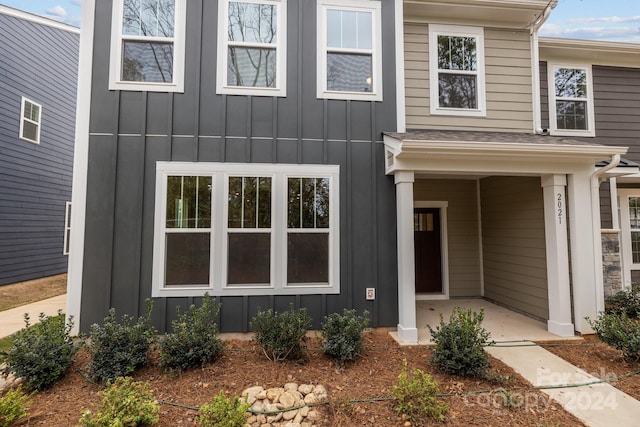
(147, 49)
(30, 116)
(231, 229)
(349, 50)
(570, 100)
(252, 47)
(456, 64)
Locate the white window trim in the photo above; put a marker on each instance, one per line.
(23, 118)
(553, 125)
(373, 7)
(281, 52)
(67, 228)
(220, 173)
(625, 233)
(115, 66)
(436, 30)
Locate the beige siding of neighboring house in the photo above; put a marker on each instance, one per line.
(462, 227)
(508, 83)
(514, 256)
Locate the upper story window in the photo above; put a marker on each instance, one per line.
(246, 229)
(252, 47)
(571, 100)
(456, 70)
(30, 116)
(349, 50)
(147, 47)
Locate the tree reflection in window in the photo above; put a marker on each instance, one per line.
(457, 72)
(571, 98)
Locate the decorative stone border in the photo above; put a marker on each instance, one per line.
(286, 406)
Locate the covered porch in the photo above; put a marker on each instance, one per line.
(514, 218)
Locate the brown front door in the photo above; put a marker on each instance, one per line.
(426, 237)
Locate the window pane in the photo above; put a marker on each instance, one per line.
(31, 111)
(251, 67)
(188, 202)
(249, 258)
(571, 114)
(29, 131)
(349, 29)
(187, 259)
(634, 212)
(457, 53)
(147, 62)
(249, 202)
(308, 205)
(308, 258)
(349, 72)
(571, 83)
(252, 22)
(635, 246)
(153, 18)
(457, 91)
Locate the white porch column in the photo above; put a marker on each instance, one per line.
(557, 248)
(407, 331)
(584, 279)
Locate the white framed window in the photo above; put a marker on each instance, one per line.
(67, 228)
(456, 70)
(30, 119)
(629, 231)
(570, 100)
(252, 43)
(147, 45)
(246, 229)
(349, 50)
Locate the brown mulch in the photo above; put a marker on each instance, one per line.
(601, 361)
(243, 365)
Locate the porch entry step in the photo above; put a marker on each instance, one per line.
(598, 404)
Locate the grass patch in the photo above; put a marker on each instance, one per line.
(18, 294)
(5, 344)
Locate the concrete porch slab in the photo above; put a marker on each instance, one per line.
(502, 323)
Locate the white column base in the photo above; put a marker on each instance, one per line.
(561, 329)
(407, 335)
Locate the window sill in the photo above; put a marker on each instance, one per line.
(147, 87)
(574, 133)
(251, 91)
(246, 291)
(458, 112)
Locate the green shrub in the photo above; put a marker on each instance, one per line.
(460, 344)
(343, 335)
(415, 397)
(119, 348)
(281, 335)
(619, 331)
(224, 412)
(627, 301)
(41, 353)
(12, 406)
(194, 340)
(125, 403)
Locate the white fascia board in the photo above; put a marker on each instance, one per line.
(38, 19)
(590, 51)
(622, 172)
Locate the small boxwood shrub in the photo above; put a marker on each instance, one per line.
(41, 353)
(13, 406)
(119, 348)
(619, 331)
(224, 412)
(281, 335)
(125, 403)
(416, 397)
(343, 338)
(460, 344)
(194, 340)
(627, 302)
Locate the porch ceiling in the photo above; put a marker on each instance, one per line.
(489, 152)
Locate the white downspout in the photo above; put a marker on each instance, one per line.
(535, 70)
(596, 178)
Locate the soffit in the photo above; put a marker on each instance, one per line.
(485, 13)
(590, 51)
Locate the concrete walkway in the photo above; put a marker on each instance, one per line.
(597, 405)
(13, 320)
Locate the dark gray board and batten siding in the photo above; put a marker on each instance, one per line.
(131, 131)
(616, 96)
(38, 62)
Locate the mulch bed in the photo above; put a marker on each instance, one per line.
(373, 376)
